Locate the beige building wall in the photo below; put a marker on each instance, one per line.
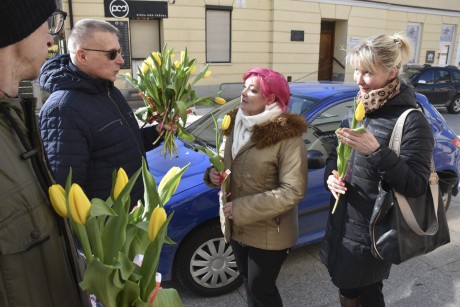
(437, 4)
(261, 31)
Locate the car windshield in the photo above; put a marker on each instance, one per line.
(204, 129)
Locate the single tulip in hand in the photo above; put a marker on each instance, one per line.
(344, 150)
(215, 158)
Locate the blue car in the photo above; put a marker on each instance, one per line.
(200, 260)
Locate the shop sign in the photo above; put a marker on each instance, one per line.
(135, 9)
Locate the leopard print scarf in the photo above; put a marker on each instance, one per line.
(375, 99)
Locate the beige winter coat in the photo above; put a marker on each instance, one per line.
(268, 179)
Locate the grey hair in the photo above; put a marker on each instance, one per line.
(84, 30)
(381, 51)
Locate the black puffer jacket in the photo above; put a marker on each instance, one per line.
(346, 247)
(87, 124)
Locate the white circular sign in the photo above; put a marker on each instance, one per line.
(119, 8)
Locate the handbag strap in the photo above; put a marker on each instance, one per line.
(395, 144)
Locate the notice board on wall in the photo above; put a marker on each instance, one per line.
(123, 38)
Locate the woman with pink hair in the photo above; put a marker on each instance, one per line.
(267, 158)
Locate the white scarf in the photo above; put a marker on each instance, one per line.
(244, 123)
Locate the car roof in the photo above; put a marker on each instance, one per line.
(321, 89)
(426, 66)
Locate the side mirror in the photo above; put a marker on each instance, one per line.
(315, 159)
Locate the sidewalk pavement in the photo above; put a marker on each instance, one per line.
(425, 281)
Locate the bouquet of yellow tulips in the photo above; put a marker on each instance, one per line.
(113, 238)
(344, 151)
(164, 85)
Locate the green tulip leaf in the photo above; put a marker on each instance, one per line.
(171, 185)
(129, 295)
(167, 297)
(184, 134)
(217, 162)
(103, 281)
(151, 197)
(100, 207)
(151, 258)
(125, 265)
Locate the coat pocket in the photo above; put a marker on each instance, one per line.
(25, 229)
(107, 125)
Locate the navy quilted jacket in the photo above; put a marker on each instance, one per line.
(87, 124)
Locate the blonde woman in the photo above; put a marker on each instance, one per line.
(346, 247)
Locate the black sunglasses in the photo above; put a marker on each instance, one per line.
(56, 21)
(111, 54)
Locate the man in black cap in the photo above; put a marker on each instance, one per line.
(39, 265)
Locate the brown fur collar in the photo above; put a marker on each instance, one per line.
(271, 132)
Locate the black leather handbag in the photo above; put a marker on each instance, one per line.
(403, 227)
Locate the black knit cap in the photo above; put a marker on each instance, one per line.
(20, 18)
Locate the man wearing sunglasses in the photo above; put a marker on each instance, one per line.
(39, 265)
(86, 123)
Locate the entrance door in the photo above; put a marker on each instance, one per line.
(326, 50)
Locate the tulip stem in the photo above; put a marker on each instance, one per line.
(96, 238)
(83, 236)
(336, 202)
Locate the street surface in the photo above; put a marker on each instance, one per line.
(429, 280)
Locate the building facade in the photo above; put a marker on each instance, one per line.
(304, 39)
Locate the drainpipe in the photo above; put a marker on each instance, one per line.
(71, 14)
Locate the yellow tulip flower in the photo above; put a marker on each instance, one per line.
(207, 74)
(172, 171)
(220, 100)
(177, 64)
(144, 67)
(54, 48)
(157, 219)
(120, 183)
(79, 204)
(149, 62)
(57, 198)
(360, 112)
(226, 122)
(157, 57)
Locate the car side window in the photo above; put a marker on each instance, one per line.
(320, 135)
(427, 77)
(444, 76)
(456, 76)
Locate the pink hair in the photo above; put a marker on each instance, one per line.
(271, 82)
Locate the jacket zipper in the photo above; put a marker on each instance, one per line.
(125, 122)
(277, 222)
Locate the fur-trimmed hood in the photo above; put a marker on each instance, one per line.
(283, 127)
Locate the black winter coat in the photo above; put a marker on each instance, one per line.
(346, 247)
(87, 124)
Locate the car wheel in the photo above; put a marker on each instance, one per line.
(446, 198)
(205, 264)
(454, 106)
